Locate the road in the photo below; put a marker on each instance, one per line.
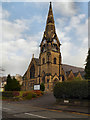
(39, 108)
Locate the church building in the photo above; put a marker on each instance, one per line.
(47, 68)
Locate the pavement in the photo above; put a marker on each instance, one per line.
(44, 107)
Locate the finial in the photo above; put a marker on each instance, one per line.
(33, 56)
(50, 4)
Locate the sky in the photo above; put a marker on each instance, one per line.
(23, 25)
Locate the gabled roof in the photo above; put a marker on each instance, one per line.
(68, 73)
(81, 72)
(75, 74)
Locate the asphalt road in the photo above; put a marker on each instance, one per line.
(37, 108)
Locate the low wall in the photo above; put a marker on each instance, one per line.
(74, 102)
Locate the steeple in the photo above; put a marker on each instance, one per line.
(50, 40)
(50, 33)
(50, 18)
(50, 26)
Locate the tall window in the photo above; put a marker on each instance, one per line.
(43, 60)
(32, 71)
(47, 80)
(54, 61)
(43, 79)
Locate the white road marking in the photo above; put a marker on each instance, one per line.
(6, 108)
(35, 115)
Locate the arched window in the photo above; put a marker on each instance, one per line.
(43, 79)
(43, 60)
(54, 61)
(32, 71)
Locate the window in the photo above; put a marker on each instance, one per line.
(42, 49)
(43, 79)
(39, 80)
(32, 71)
(43, 60)
(47, 80)
(48, 86)
(54, 60)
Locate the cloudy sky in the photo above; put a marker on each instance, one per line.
(23, 25)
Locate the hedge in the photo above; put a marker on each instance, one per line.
(21, 94)
(72, 90)
(7, 94)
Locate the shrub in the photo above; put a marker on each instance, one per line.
(42, 87)
(71, 90)
(12, 84)
(29, 96)
(25, 94)
(16, 93)
(34, 95)
(42, 92)
(7, 94)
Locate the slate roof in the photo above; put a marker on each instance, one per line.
(74, 69)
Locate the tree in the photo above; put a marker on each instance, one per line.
(42, 87)
(87, 67)
(12, 84)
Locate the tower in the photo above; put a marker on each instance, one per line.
(50, 56)
(46, 68)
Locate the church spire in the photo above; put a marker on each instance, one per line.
(50, 33)
(50, 18)
(50, 26)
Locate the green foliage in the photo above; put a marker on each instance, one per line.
(29, 96)
(42, 87)
(16, 93)
(34, 95)
(42, 92)
(72, 90)
(21, 95)
(12, 84)
(7, 94)
(87, 67)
